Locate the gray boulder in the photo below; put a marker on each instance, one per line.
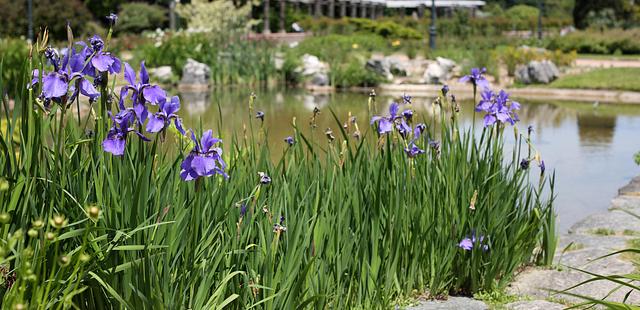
(380, 66)
(163, 74)
(396, 66)
(195, 73)
(439, 72)
(315, 71)
(537, 72)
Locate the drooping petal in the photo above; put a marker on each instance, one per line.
(208, 140)
(156, 123)
(116, 67)
(489, 120)
(154, 94)
(141, 111)
(172, 106)
(87, 89)
(124, 92)
(129, 74)
(144, 76)
(393, 110)
(102, 62)
(384, 126)
(114, 145)
(203, 166)
(54, 85)
(375, 119)
(178, 122)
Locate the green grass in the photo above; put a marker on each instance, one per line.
(366, 225)
(611, 78)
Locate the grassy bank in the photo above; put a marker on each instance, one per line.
(610, 78)
(94, 215)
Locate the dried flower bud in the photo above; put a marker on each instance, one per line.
(64, 260)
(50, 236)
(58, 221)
(94, 213)
(32, 233)
(5, 218)
(37, 224)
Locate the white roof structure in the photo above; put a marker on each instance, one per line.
(411, 3)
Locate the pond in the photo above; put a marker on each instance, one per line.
(590, 146)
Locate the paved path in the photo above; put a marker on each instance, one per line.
(607, 63)
(593, 237)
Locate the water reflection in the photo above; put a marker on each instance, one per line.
(596, 130)
(590, 148)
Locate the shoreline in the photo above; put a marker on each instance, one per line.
(539, 93)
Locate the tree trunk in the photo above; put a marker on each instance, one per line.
(265, 27)
(282, 17)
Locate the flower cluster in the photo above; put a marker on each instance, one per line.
(401, 123)
(83, 70)
(499, 108)
(469, 243)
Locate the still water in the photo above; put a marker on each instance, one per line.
(589, 146)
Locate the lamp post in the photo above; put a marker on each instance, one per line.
(432, 29)
(30, 17)
(539, 19)
(172, 15)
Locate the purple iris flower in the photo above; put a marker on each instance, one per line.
(413, 150)
(112, 18)
(542, 167)
(406, 99)
(403, 128)
(385, 124)
(524, 164)
(476, 78)
(420, 128)
(289, 140)
(161, 119)
(468, 243)
(102, 61)
(408, 114)
(260, 115)
(117, 135)
(264, 178)
(204, 160)
(445, 90)
(499, 108)
(243, 209)
(141, 91)
(68, 75)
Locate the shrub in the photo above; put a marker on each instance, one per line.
(138, 16)
(599, 42)
(512, 57)
(13, 55)
(354, 74)
(46, 13)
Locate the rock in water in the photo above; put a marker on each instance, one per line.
(543, 72)
(195, 73)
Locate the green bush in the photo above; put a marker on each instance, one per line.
(232, 62)
(46, 13)
(13, 55)
(138, 16)
(599, 42)
(521, 13)
(354, 74)
(512, 57)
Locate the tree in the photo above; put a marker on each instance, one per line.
(623, 10)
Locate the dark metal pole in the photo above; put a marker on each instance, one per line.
(539, 19)
(30, 17)
(172, 15)
(265, 28)
(432, 29)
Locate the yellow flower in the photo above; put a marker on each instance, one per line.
(395, 43)
(355, 46)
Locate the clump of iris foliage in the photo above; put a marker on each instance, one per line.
(127, 207)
